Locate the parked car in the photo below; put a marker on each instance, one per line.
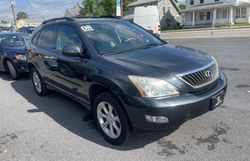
(148, 17)
(129, 79)
(12, 53)
(29, 30)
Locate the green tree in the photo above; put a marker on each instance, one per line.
(125, 6)
(182, 6)
(91, 8)
(22, 15)
(103, 7)
(109, 7)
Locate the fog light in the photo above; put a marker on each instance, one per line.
(157, 119)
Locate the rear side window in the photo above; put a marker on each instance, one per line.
(67, 36)
(35, 38)
(47, 36)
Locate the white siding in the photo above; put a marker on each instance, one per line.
(197, 2)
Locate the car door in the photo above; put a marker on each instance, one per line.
(44, 53)
(1, 59)
(70, 71)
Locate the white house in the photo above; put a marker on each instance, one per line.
(169, 12)
(216, 12)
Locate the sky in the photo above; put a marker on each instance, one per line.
(36, 8)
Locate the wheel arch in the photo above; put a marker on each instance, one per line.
(97, 88)
(31, 66)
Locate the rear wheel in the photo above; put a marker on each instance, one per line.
(111, 119)
(12, 70)
(38, 83)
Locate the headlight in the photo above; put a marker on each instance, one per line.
(215, 61)
(152, 87)
(216, 67)
(20, 57)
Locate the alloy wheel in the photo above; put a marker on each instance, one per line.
(37, 82)
(108, 120)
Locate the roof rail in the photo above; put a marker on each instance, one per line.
(58, 19)
(104, 16)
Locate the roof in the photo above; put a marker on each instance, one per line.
(243, 3)
(96, 19)
(208, 6)
(81, 19)
(140, 2)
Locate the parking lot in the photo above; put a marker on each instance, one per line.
(55, 127)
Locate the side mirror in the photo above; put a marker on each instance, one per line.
(73, 51)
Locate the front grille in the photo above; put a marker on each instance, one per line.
(202, 77)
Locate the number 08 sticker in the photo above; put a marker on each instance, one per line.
(87, 28)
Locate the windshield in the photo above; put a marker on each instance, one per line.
(109, 37)
(13, 40)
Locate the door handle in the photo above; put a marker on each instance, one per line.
(53, 58)
(50, 57)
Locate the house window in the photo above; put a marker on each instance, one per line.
(243, 13)
(201, 1)
(217, 14)
(208, 15)
(224, 13)
(216, 0)
(238, 13)
(191, 2)
(201, 16)
(164, 10)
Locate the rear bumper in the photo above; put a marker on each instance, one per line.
(176, 109)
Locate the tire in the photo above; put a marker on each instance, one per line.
(38, 83)
(116, 117)
(12, 70)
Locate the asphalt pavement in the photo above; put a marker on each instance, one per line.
(52, 128)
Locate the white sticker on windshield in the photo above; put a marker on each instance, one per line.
(87, 28)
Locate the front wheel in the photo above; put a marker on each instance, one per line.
(111, 119)
(12, 70)
(38, 83)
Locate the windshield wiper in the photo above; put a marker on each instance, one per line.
(134, 49)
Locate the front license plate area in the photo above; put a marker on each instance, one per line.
(217, 100)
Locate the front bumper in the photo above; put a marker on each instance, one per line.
(176, 109)
(21, 66)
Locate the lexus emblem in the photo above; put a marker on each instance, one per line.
(208, 73)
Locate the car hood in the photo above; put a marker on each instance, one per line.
(161, 60)
(15, 50)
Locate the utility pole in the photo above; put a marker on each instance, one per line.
(121, 8)
(13, 3)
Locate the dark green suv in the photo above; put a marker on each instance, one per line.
(128, 78)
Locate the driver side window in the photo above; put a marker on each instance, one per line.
(66, 36)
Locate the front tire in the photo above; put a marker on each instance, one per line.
(38, 83)
(110, 119)
(12, 70)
